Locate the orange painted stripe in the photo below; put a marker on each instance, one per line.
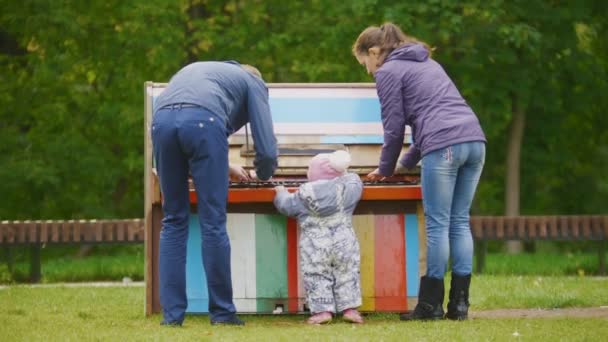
(390, 291)
(292, 265)
(370, 193)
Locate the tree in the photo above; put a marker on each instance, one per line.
(71, 122)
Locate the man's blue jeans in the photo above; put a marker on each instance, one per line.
(195, 140)
(449, 180)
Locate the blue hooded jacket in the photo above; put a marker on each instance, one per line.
(414, 90)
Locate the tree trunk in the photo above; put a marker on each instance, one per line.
(9, 45)
(512, 179)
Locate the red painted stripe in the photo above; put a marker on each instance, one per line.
(389, 270)
(292, 265)
(370, 193)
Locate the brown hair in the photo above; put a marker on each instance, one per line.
(387, 37)
(252, 70)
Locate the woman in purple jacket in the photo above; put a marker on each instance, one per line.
(448, 140)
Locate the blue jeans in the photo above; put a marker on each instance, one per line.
(449, 179)
(195, 140)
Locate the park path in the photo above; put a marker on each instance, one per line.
(599, 312)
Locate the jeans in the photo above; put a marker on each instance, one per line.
(195, 140)
(449, 178)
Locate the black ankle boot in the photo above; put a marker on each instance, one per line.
(430, 301)
(458, 306)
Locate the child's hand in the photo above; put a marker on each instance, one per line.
(279, 188)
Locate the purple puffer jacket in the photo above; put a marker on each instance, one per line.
(414, 90)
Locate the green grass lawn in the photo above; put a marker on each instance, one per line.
(117, 313)
(548, 279)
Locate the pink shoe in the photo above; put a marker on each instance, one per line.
(353, 316)
(320, 318)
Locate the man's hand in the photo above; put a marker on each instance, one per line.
(279, 188)
(237, 173)
(375, 176)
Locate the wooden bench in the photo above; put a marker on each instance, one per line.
(40, 233)
(484, 228)
(543, 228)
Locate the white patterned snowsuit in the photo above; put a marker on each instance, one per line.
(329, 249)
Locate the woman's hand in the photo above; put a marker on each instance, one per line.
(237, 173)
(375, 176)
(279, 188)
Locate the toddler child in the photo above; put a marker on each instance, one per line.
(329, 250)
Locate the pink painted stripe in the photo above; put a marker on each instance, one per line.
(389, 268)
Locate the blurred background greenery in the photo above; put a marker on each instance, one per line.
(72, 74)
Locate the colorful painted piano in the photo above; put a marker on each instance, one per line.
(308, 119)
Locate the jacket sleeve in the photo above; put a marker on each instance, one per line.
(353, 188)
(393, 120)
(411, 157)
(265, 142)
(289, 204)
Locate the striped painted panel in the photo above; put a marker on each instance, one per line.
(242, 233)
(390, 290)
(271, 262)
(315, 109)
(347, 115)
(277, 90)
(293, 278)
(412, 254)
(196, 281)
(364, 228)
(265, 263)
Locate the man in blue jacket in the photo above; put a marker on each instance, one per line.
(203, 104)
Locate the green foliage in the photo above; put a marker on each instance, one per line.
(71, 105)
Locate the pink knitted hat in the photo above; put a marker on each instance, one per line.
(328, 165)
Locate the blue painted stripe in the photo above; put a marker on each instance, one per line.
(411, 254)
(294, 110)
(352, 139)
(357, 139)
(291, 110)
(196, 280)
